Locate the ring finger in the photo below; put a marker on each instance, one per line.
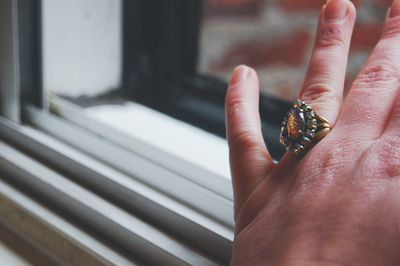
(324, 82)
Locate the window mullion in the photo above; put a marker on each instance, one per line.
(9, 61)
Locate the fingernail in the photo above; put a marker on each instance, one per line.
(395, 9)
(239, 74)
(336, 9)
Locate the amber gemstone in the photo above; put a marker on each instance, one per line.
(295, 123)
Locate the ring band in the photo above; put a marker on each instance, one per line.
(302, 128)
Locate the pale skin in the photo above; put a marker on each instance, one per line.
(340, 203)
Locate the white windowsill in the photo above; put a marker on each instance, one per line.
(166, 133)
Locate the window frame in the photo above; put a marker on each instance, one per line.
(161, 74)
(142, 226)
(159, 66)
(160, 69)
(195, 234)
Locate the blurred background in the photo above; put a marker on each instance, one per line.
(276, 37)
(158, 70)
(273, 36)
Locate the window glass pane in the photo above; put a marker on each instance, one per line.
(81, 46)
(276, 37)
(83, 63)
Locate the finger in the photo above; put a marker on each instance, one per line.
(249, 158)
(373, 94)
(324, 82)
(394, 120)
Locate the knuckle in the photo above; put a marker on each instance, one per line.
(319, 173)
(391, 29)
(331, 160)
(331, 35)
(385, 156)
(315, 93)
(379, 75)
(243, 142)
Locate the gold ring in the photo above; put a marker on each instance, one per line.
(302, 128)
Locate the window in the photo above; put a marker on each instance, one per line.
(115, 119)
(114, 186)
(96, 55)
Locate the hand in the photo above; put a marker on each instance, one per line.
(340, 203)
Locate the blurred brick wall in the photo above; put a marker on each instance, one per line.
(276, 37)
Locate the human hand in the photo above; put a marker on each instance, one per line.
(340, 203)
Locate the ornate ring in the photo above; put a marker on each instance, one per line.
(302, 128)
